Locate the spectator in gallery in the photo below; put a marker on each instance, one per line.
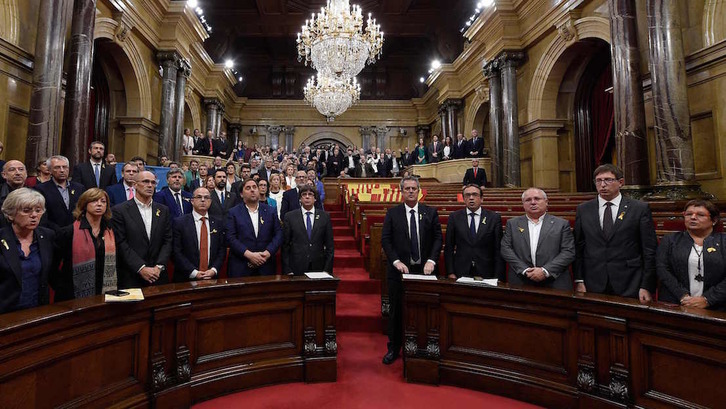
(205, 145)
(461, 147)
(436, 151)
(476, 145)
(420, 153)
(221, 146)
(187, 142)
(448, 150)
(475, 174)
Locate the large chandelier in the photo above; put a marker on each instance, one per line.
(332, 96)
(334, 41)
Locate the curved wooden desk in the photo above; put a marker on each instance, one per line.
(184, 343)
(560, 349)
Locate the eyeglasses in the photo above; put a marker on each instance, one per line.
(202, 198)
(607, 181)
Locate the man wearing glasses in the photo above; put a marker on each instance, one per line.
(615, 241)
(199, 248)
(143, 236)
(291, 198)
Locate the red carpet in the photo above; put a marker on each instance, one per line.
(363, 381)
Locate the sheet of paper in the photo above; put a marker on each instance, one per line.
(471, 280)
(419, 277)
(319, 275)
(134, 295)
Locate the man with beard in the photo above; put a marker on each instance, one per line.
(94, 173)
(221, 200)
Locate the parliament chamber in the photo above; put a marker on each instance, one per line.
(523, 200)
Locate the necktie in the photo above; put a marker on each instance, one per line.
(472, 226)
(97, 172)
(179, 203)
(131, 193)
(309, 224)
(203, 247)
(474, 173)
(211, 148)
(415, 256)
(607, 220)
(221, 198)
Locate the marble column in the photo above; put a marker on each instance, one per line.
(183, 72)
(289, 135)
(45, 96)
(219, 121)
(452, 118)
(630, 131)
(273, 133)
(169, 61)
(444, 123)
(510, 149)
(211, 105)
(235, 132)
(382, 137)
(365, 134)
(491, 72)
(78, 86)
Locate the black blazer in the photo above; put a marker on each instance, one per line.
(483, 253)
(186, 246)
(134, 248)
(221, 148)
(291, 201)
(397, 244)
(166, 197)
(672, 268)
(117, 193)
(480, 179)
(11, 274)
(626, 259)
(476, 146)
(202, 147)
(217, 208)
(461, 152)
(56, 213)
(300, 254)
(83, 174)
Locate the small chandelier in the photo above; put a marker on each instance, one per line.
(332, 96)
(334, 41)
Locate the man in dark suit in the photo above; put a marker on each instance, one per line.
(615, 241)
(473, 242)
(143, 237)
(405, 157)
(336, 163)
(199, 248)
(201, 179)
(475, 175)
(307, 237)
(94, 173)
(254, 235)
(461, 147)
(539, 247)
(221, 146)
(436, 150)
(476, 145)
(60, 194)
(291, 198)
(126, 188)
(204, 146)
(175, 198)
(222, 201)
(411, 238)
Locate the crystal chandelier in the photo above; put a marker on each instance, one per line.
(332, 96)
(334, 41)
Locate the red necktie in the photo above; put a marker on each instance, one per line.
(475, 172)
(203, 247)
(131, 193)
(211, 148)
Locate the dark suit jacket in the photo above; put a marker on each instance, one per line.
(397, 244)
(475, 145)
(217, 208)
(480, 179)
(134, 248)
(166, 197)
(555, 251)
(336, 164)
(291, 201)
(672, 268)
(222, 146)
(83, 174)
(439, 151)
(186, 245)
(117, 193)
(300, 254)
(461, 151)
(202, 147)
(483, 253)
(56, 213)
(626, 259)
(241, 237)
(10, 271)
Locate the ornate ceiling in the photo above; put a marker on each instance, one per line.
(259, 36)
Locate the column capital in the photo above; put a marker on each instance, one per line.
(184, 68)
(289, 130)
(511, 58)
(213, 103)
(274, 129)
(232, 127)
(491, 67)
(365, 130)
(168, 58)
(381, 130)
(452, 104)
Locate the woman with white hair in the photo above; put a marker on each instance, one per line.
(26, 252)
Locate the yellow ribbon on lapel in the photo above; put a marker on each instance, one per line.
(710, 249)
(158, 212)
(5, 244)
(621, 216)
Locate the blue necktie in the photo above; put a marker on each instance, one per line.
(415, 256)
(472, 226)
(221, 198)
(179, 203)
(309, 223)
(97, 172)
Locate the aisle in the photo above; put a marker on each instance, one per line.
(363, 381)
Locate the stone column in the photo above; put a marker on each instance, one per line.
(491, 72)
(452, 118)
(78, 87)
(235, 130)
(183, 72)
(211, 105)
(381, 133)
(219, 121)
(45, 97)
(510, 149)
(444, 123)
(630, 131)
(289, 135)
(273, 135)
(365, 133)
(169, 61)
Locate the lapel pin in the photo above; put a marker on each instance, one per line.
(484, 220)
(317, 217)
(621, 216)
(420, 217)
(73, 192)
(214, 231)
(158, 212)
(262, 221)
(521, 230)
(5, 244)
(711, 249)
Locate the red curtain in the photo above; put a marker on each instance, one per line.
(603, 115)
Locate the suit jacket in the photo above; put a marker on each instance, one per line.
(475, 145)
(555, 251)
(186, 245)
(188, 179)
(83, 174)
(291, 201)
(626, 259)
(336, 164)
(166, 197)
(117, 193)
(56, 213)
(672, 268)
(461, 151)
(439, 151)
(301, 254)
(480, 256)
(202, 147)
(217, 208)
(222, 146)
(241, 237)
(134, 248)
(11, 278)
(396, 242)
(480, 179)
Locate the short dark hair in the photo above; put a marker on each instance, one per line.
(137, 158)
(410, 177)
(305, 188)
(608, 167)
(96, 143)
(246, 181)
(245, 166)
(712, 208)
(474, 185)
(223, 170)
(193, 161)
(174, 171)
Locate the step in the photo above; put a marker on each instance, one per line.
(339, 221)
(343, 230)
(344, 243)
(347, 258)
(359, 286)
(358, 313)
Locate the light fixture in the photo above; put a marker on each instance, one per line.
(331, 96)
(192, 3)
(228, 64)
(335, 43)
(422, 80)
(199, 11)
(435, 64)
(486, 3)
(239, 79)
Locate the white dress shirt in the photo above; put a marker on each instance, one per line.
(198, 227)
(477, 218)
(146, 214)
(255, 217)
(614, 208)
(220, 195)
(695, 287)
(305, 217)
(418, 230)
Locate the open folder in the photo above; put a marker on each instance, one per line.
(471, 280)
(133, 295)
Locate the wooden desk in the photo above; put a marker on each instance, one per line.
(560, 349)
(185, 343)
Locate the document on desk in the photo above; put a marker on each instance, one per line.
(470, 280)
(126, 295)
(419, 277)
(318, 275)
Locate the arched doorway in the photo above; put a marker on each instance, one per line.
(325, 139)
